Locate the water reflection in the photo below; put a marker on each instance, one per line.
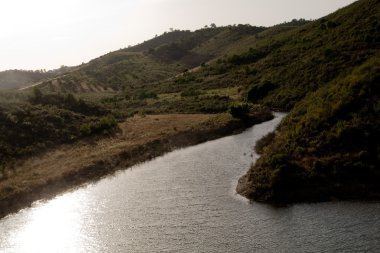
(185, 202)
(54, 226)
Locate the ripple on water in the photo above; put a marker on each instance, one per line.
(185, 201)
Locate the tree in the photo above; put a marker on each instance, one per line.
(37, 95)
(238, 110)
(260, 90)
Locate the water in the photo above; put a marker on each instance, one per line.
(185, 202)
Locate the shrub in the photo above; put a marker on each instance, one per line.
(264, 142)
(107, 122)
(190, 93)
(85, 129)
(252, 55)
(259, 91)
(328, 52)
(238, 110)
(146, 95)
(104, 124)
(69, 102)
(185, 78)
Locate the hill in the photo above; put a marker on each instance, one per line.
(16, 79)
(281, 66)
(327, 146)
(160, 58)
(323, 72)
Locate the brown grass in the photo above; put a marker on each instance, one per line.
(140, 138)
(135, 131)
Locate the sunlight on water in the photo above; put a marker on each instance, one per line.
(54, 226)
(185, 201)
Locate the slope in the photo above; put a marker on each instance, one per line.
(281, 67)
(160, 58)
(327, 146)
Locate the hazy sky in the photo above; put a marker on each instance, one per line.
(45, 34)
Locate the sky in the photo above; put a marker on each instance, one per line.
(45, 34)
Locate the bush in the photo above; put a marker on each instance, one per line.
(69, 102)
(107, 122)
(259, 91)
(238, 110)
(185, 78)
(147, 94)
(264, 142)
(251, 56)
(190, 93)
(104, 124)
(85, 129)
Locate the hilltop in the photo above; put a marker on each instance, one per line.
(160, 58)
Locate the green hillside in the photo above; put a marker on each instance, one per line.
(282, 66)
(160, 58)
(29, 126)
(327, 147)
(324, 73)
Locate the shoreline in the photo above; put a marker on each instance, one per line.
(209, 127)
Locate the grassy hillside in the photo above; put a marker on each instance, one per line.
(324, 72)
(327, 147)
(283, 64)
(111, 73)
(141, 66)
(327, 73)
(45, 121)
(120, 84)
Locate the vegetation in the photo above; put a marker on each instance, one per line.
(238, 110)
(46, 121)
(15, 79)
(325, 72)
(264, 142)
(328, 145)
(260, 90)
(66, 101)
(104, 124)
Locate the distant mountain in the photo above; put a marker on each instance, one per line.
(16, 79)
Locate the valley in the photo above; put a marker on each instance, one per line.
(324, 72)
